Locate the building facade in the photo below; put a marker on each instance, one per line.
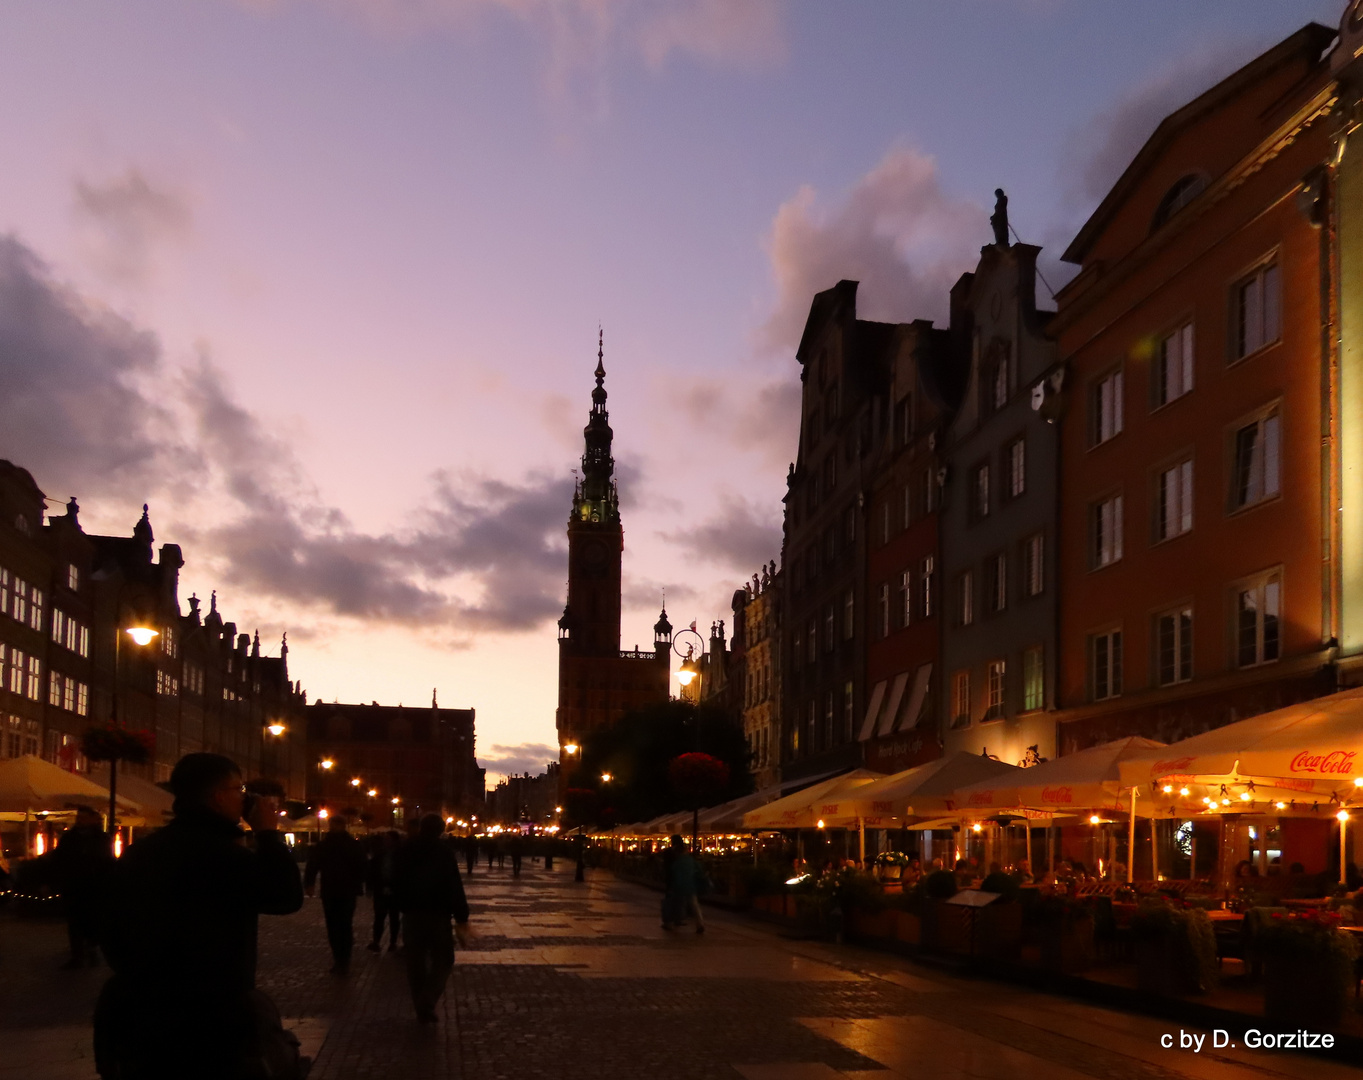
(1200, 542)
(390, 763)
(760, 628)
(998, 515)
(66, 600)
(597, 681)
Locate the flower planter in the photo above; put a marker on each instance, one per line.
(952, 928)
(1068, 945)
(998, 931)
(908, 927)
(873, 924)
(1307, 991)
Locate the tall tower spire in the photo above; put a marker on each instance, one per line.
(596, 498)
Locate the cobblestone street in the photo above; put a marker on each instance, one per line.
(579, 982)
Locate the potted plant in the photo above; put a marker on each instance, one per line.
(1308, 969)
(889, 865)
(1175, 949)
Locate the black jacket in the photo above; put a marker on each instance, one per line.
(184, 902)
(339, 858)
(428, 879)
(82, 859)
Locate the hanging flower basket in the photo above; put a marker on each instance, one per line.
(106, 743)
(698, 778)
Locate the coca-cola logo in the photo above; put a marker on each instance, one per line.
(1334, 763)
(1057, 795)
(981, 798)
(1163, 768)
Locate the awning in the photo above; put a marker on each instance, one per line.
(913, 712)
(868, 726)
(892, 706)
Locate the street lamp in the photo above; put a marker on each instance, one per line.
(373, 792)
(355, 781)
(326, 763)
(276, 729)
(606, 778)
(570, 748)
(141, 635)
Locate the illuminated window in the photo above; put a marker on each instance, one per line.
(1033, 679)
(1258, 449)
(1017, 468)
(1105, 408)
(995, 672)
(1174, 646)
(1257, 311)
(1258, 608)
(1034, 564)
(1174, 366)
(960, 699)
(1174, 501)
(1106, 531)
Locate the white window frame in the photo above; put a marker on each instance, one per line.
(998, 599)
(1261, 600)
(960, 698)
(884, 609)
(979, 492)
(1017, 467)
(1174, 500)
(1174, 366)
(966, 597)
(906, 598)
(1105, 665)
(1106, 527)
(1034, 565)
(1174, 628)
(1256, 311)
(1107, 402)
(926, 577)
(1256, 460)
(995, 684)
(1033, 678)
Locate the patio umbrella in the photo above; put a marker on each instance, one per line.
(804, 809)
(1075, 783)
(1313, 748)
(924, 791)
(30, 784)
(153, 802)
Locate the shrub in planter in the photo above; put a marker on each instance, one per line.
(940, 885)
(1308, 970)
(889, 865)
(1175, 949)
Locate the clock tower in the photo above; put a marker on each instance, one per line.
(597, 682)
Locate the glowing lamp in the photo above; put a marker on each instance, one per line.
(1245, 796)
(323, 814)
(1168, 788)
(606, 778)
(570, 748)
(1225, 802)
(327, 763)
(373, 792)
(395, 800)
(1094, 819)
(1343, 815)
(1358, 781)
(1183, 791)
(977, 827)
(558, 809)
(142, 635)
(1281, 805)
(685, 677)
(449, 821)
(355, 782)
(275, 729)
(819, 825)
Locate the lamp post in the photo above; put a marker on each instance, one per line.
(141, 636)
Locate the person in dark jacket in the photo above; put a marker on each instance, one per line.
(430, 893)
(181, 933)
(81, 862)
(339, 858)
(382, 873)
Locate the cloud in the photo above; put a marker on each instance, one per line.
(1098, 152)
(896, 232)
(524, 758)
(76, 402)
(742, 536)
(722, 31)
(126, 219)
(87, 403)
(752, 414)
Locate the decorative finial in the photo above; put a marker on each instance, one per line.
(213, 602)
(999, 218)
(600, 355)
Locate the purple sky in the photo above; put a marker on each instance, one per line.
(320, 280)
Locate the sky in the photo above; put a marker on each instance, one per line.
(321, 281)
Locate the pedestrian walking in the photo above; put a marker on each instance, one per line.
(470, 853)
(685, 878)
(339, 859)
(430, 893)
(517, 846)
(82, 860)
(180, 933)
(380, 881)
(491, 846)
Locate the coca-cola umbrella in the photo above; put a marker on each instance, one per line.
(1314, 748)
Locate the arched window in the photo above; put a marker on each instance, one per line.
(1184, 191)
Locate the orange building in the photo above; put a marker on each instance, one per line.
(1199, 548)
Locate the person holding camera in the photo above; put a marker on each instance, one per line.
(181, 933)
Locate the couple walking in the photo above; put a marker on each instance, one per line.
(685, 879)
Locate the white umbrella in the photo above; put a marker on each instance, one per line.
(30, 784)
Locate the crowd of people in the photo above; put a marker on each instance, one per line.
(176, 918)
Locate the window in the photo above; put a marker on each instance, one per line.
(828, 719)
(830, 473)
(35, 607)
(813, 641)
(54, 689)
(1184, 191)
(6, 590)
(1033, 565)
(929, 492)
(979, 492)
(1174, 646)
(998, 385)
(908, 505)
(170, 642)
(998, 583)
(849, 613)
(967, 598)
(1257, 459)
(885, 522)
(1106, 655)
(1033, 679)
(1174, 367)
(812, 724)
(905, 598)
(828, 628)
(166, 684)
(1106, 408)
(903, 421)
(926, 577)
(18, 606)
(960, 699)
(993, 688)
(830, 407)
(1107, 531)
(1257, 611)
(34, 690)
(885, 609)
(1017, 468)
(73, 577)
(1256, 311)
(850, 524)
(58, 621)
(848, 710)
